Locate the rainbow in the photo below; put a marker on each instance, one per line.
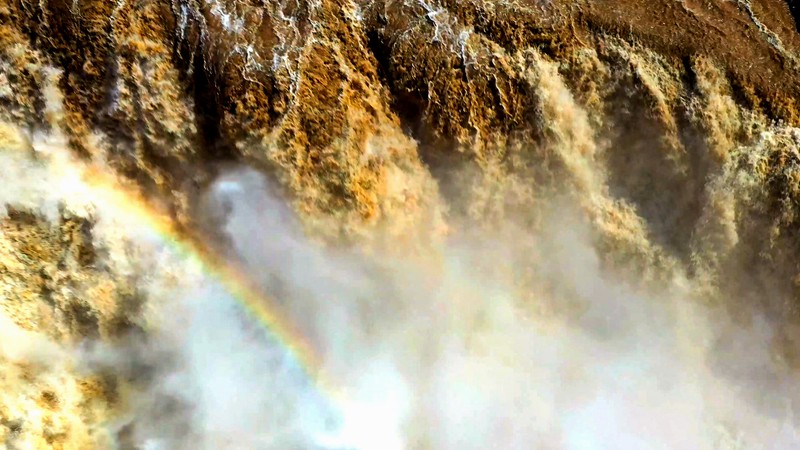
(105, 188)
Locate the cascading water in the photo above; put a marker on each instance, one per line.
(397, 224)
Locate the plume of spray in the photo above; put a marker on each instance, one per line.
(441, 355)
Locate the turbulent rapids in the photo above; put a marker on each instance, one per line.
(399, 224)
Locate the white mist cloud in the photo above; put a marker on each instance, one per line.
(23, 346)
(449, 359)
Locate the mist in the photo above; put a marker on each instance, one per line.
(443, 353)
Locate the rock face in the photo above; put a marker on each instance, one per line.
(674, 125)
